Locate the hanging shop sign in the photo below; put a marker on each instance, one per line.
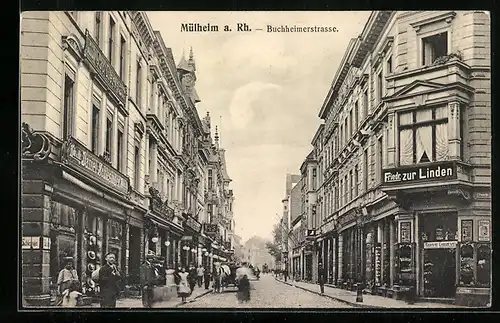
(484, 230)
(440, 244)
(210, 229)
(192, 224)
(436, 171)
(78, 157)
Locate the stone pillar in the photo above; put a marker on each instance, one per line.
(167, 253)
(392, 243)
(340, 257)
(454, 130)
(144, 246)
(334, 260)
(416, 239)
(35, 253)
(179, 252)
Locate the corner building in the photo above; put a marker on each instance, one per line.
(407, 158)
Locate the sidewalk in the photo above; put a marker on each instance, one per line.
(171, 303)
(369, 301)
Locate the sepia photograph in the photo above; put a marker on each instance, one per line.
(255, 160)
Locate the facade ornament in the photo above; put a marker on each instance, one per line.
(34, 146)
(72, 44)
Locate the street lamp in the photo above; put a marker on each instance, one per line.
(167, 243)
(154, 239)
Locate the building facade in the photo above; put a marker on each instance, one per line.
(406, 158)
(114, 153)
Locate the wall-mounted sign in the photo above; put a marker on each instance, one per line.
(435, 171)
(405, 232)
(466, 230)
(82, 159)
(440, 244)
(31, 243)
(210, 229)
(484, 230)
(187, 238)
(192, 224)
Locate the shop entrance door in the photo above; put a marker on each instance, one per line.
(309, 273)
(439, 273)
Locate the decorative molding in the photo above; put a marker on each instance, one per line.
(34, 145)
(139, 129)
(72, 44)
(448, 17)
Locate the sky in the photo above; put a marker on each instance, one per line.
(263, 91)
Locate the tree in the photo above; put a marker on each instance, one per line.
(274, 247)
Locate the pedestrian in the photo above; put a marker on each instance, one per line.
(321, 278)
(183, 290)
(192, 277)
(243, 294)
(201, 271)
(109, 280)
(66, 277)
(71, 296)
(217, 278)
(206, 277)
(148, 280)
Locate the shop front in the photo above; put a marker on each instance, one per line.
(192, 229)
(77, 207)
(349, 249)
(210, 230)
(443, 234)
(296, 275)
(328, 251)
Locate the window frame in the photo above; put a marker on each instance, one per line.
(68, 114)
(422, 36)
(120, 147)
(137, 166)
(123, 58)
(95, 137)
(415, 125)
(98, 24)
(109, 140)
(111, 39)
(138, 84)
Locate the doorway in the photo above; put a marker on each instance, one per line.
(134, 261)
(439, 273)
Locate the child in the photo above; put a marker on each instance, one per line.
(71, 296)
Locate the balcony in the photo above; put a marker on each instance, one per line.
(102, 69)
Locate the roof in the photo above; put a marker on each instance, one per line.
(183, 65)
(225, 175)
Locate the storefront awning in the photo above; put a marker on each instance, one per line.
(167, 225)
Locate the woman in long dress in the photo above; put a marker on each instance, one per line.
(184, 289)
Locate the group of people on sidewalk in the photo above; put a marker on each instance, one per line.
(108, 277)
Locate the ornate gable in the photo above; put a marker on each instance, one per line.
(417, 87)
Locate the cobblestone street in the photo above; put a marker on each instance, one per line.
(267, 293)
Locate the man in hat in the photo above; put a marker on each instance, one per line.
(67, 275)
(109, 279)
(148, 279)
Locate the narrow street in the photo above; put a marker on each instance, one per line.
(267, 293)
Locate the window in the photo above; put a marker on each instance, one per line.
(123, 53)
(352, 127)
(356, 178)
(356, 120)
(365, 170)
(98, 27)
(380, 151)
(379, 87)
(210, 179)
(95, 129)
(137, 167)
(119, 150)
(346, 189)
(342, 135)
(111, 43)
(434, 47)
(346, 138)
(336, 198)
(423, 136)
(69, 103)
(365, 103)
(138, 84)
(389, 64)
(341, 185)
(109, 135)
(314, 179)
(351, 174)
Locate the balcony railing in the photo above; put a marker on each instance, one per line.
(103, 69)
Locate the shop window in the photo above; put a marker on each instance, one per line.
(483, 265)
(423, 136)
(434, 47)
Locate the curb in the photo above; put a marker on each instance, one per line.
(194, 298)
(355, 304)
